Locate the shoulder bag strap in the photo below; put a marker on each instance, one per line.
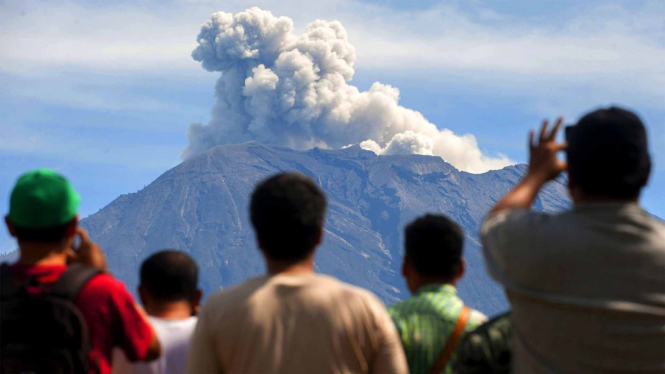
(8, 284)
(449, 348)
(73, 279)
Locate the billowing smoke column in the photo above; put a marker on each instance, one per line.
(291, 90)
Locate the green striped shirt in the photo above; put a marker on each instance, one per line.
(425, 321)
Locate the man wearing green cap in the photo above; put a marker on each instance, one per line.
(43, 218)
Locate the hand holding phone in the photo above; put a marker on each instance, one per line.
(86, 251)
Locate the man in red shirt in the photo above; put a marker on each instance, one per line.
(43, 217)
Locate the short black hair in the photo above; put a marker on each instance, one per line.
(608, 153)
(434, 245)
(288, 212)
(53, 234)
(170, 275)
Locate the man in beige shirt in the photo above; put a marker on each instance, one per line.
(587, 286)
(292, 320)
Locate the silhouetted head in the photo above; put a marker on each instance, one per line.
(433, 251)
(608, 156)
(169, 277)
(288, 212)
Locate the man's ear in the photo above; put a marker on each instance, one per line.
(571, 182)
(196, 302)
(461, 270)
(72, 226)
(144, 295)
(258, 242)
(573, 188)
(646, 180)
(319, 237)
(10, 226)
(406, 266)
(70, 232)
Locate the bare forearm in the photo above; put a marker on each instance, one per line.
(543, 166)
(522, 195)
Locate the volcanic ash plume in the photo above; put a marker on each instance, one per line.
(291, 90)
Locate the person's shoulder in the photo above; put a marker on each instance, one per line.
(170, 328)
(344, 294)
(657, 237)
(344, 289)
(652, 226)
(104, 290)
(658, 226)
(105, 283)
(476, 318)
(170, 322)
(521, 215)
(404, 306)
(229, 297)
(522, 222)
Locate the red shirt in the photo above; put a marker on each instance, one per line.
(107, 308)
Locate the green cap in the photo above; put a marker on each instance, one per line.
(42, 198)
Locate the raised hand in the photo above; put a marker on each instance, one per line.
(544, 165)
(88, 252)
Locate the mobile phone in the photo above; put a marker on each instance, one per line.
(570, 132)
(76, 244)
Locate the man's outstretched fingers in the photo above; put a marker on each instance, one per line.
(531, 135)
(543, 131)
(557, 125)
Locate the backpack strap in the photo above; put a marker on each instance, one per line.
(73, 279)
(449, 348)
(8, 284)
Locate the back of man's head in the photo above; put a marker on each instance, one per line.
(434, 246)
(287, 212)
(170, 276)
(42, 207)
(608, 154)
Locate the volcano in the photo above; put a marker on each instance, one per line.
(201, 207)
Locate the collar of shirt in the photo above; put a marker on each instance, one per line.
(608, 206)
(437, 288)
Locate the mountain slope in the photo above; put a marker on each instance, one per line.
(200, 206)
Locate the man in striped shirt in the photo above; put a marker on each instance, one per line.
(433, 264)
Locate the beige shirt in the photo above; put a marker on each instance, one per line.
(587, 287)
(295, 324)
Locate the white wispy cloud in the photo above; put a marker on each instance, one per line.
(605, 40)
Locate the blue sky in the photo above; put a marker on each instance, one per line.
(105, 92)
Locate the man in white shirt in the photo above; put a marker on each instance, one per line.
(293, 320)
(587, 286)
(169, 293)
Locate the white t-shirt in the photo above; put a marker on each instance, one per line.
(174, 336)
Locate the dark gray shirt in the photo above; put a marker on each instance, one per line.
(587, 287)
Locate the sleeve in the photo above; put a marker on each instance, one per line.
(390, 357)
(202, 356)
(511, 244)
(475, 319)
(130, 330)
